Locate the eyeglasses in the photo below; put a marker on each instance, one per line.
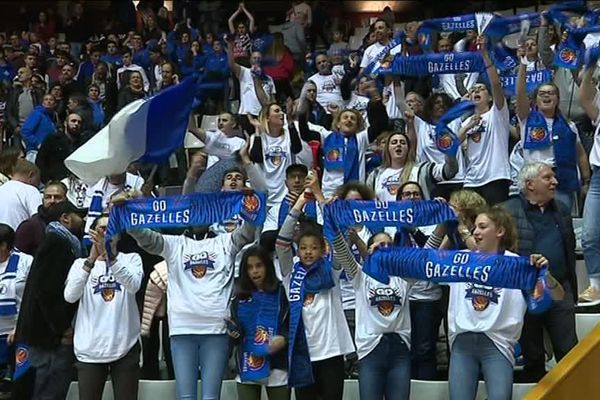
(411, 194)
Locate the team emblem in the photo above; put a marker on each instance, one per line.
(199, 263)
(251, 203)
(482, 296)
(392, 184)
(107, 286)
(261, 335)
(385, 299)
(309, 298)
(537, 134)
(567, 56)
(21, 355)
(333, 155)
(444, 142)
(254, 362)
(276, 155)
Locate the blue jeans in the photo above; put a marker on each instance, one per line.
(207, 352)
(53, 371)
(425, 318)
(591, 228)
(471, 354)
(385, 370)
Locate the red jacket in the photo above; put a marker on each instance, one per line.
(283, 70)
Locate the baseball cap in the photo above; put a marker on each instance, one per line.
(65, 207)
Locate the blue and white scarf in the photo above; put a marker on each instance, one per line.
(501, 26)
(459, 23)
(259, 320)
(341, 155)
(372, 69)
(94, 212)
(445, 139)
(446, 266)
(310, 210)
(376, 215)
(8, 294)
(194, 209)
(504, 58)
(563, 142)
(569, 53)
(438, 63)
(533, 80)
(59, 229)
(303, 281)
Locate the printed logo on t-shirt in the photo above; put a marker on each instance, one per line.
(482, 296)
(385, 299)
(107, 286)
(276, 155)
(478, 131)
(391, 184)
(232, 224)
(199, 263)
(309, 298)
(328, 86)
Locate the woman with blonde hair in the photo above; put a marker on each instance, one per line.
(400, 166)
(274, 147)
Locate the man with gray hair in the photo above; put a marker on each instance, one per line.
(545, 226)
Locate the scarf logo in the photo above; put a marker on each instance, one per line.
(261, 335)
(538, 290)
(482, 296)
(444, 142)
(567, 55)
(276, 155)
(334, 155)
(21, 356)
(251, 203)
(384, 298)
(392, 184)
(309, 298)
(107, 286)
(537, 134)
(199, 263)
(232, 224)
(253, 362)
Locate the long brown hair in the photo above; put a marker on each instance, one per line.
(411, 159)
(502, 219)
(245, 285)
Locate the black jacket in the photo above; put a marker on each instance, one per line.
(44, 314)
(517, 207)
(53, 152)
(12, 105)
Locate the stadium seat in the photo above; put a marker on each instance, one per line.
(361, 31)
(584, 323)
(354, 42)
(209, 122)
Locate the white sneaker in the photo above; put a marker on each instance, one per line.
(589, 297)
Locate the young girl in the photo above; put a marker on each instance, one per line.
(484, 322)
(260, 312)
(319, 336)
(107, 327)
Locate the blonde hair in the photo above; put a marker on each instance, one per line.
(359, 119)
(263, 117)
(469, 203)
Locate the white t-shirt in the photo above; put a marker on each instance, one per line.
(132, 182)
(277, 156)
(487, 148)
(544, 155)
(18, 202)
(428, 151)
(249, 103)
(380, 309)
(325, 325)
(387, 182)
(373, 51)
(359, 103)
(334, 178)
(219, 146)
(200, 283)
(328, 91)
(391, 103)
(497, 312)
(107, 324)
(17, 282)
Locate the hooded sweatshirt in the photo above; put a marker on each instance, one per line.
(37, 126)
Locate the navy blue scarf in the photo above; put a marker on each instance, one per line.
(533, 79)
(504, 58)
(310, 210)
(303, 282)
(259, 320)
(342, 156)
(445, 139)
(563, 142)
(438, 63)
(194, 209)
(570, 52)
(376, 215)
(445, 266)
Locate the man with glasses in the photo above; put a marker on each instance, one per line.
(57, 147)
